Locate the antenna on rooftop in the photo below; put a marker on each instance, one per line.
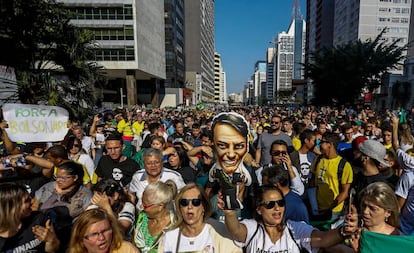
(296, 10)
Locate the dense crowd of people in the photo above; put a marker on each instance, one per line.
(249, 179)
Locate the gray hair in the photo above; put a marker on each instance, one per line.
(160, 193)
(152, 152)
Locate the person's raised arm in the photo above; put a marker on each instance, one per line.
(10, 147)
(395, 141)
(47, 166)
(235, 228)
(325, 239)
(92, 130)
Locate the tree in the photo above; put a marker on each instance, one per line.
(340, 73)
(51, 57)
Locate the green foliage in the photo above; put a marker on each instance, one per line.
(51, 57)
(340, 73)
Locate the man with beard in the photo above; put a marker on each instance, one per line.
(263, 156)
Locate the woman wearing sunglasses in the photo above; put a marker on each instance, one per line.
(190, 232)
(269, 232)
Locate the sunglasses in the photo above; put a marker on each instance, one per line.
(275, 122)
(278, 152)
(186, 202)
(271, 204)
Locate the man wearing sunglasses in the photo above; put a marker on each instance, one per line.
(263, 155)
(280, 156)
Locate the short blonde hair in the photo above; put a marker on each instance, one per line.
(85, 220)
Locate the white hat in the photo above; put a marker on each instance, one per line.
(375, 150)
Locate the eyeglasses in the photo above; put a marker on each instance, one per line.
(186, 202)
(95, 236)
(63, 178)
(152, 163)
(275, 122)
(271, 204)
(278, 152)
(77, 145)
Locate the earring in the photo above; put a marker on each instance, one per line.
(386, 218)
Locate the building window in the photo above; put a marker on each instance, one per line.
(103, 13)
(115, 54)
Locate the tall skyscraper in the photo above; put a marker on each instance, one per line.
(268, 92)
(259, 81)
(220, 94)
(319, 33)
(174, 43)
(290, 52)
(409, 62)
(199, 49)
(131, 39)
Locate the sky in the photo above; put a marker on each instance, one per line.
(243, 32)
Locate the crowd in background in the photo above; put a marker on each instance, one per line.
(140, 180)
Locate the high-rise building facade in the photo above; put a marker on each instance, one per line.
(130, 36)
(290, 52)
(365, 19)
(199, 49)
(174, 43)
(409, 62)
(268, 92)
(259, 80)
(220, 94)
(319, 33)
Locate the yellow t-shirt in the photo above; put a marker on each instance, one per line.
(327, 181)
(124, 127)
(296, 143)
(137, 127)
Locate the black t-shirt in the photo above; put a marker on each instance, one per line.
(361, 181)
(24, 240)
(187, 173)
(121, 172)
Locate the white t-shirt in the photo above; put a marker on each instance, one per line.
(87, 161)
(405, 189)
(139, 182)
(201, 243)
(304, 168)
(262, 242)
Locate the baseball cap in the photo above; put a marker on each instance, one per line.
(375, 150)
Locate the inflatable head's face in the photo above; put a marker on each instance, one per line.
(230, 131)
